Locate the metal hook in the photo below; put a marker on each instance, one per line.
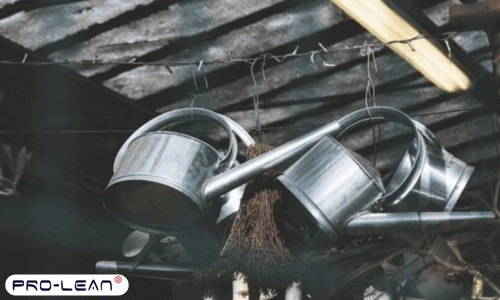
(256, 99)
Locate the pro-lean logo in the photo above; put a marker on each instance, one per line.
(66, 285)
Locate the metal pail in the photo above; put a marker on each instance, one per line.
(441, 182)
(159, 175)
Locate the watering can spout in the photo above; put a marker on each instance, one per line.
(384, 223)
(224, 182)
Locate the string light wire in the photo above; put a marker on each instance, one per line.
(230, 59)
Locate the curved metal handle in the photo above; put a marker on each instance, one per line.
(180, 115)
(361, 116)
(222, 183)
(240, 131)
(429, 135)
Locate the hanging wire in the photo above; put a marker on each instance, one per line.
(370, 94)
(256, 100)
(202, 70)
(195, 83)
(230, 59)
(199, 65)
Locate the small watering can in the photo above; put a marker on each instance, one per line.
(441, 181)
(331, 183)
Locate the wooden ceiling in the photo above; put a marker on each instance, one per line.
(102, 103)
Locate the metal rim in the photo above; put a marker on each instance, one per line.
(165, 182)
(178, 116)
(459, 187)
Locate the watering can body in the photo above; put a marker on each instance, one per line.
(152, 190)
(331, 183)
(441, 181)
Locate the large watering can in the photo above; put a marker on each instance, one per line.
(158, 175)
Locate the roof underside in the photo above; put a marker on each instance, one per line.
(295, 96)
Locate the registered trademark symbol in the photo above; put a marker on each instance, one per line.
(118, 279)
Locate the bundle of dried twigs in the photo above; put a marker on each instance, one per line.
(254, 246)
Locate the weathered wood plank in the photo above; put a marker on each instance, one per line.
(290, 75)
(187, 19)
(248, 41)
(439, 13)
(293, 81)
(424, 104)
(39, 27)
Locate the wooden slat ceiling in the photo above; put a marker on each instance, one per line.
(296, 95)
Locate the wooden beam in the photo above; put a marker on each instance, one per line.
(484, 86)
(222, 78)
(10, 7)
(164, 32)
(246, 41)
(36, 28)
(96, 29)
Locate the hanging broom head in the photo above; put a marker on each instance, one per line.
(254, 245)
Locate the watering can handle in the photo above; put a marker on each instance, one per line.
(429, 135)
(223, 183)
(181, 115)
(240, 131)
(363, 115)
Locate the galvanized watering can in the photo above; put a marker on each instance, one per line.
(331, 183)
(159, 175)
(440, 183)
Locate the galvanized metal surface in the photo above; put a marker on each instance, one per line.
(440, 184)
(154, 189)
(417, 222)
(332, 185)
(159, 175)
